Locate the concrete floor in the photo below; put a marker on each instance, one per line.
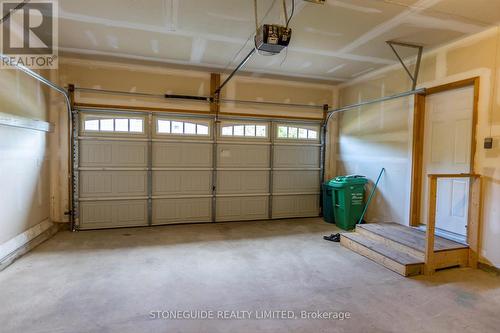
(110, 281)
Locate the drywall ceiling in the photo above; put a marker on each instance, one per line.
(335, 42)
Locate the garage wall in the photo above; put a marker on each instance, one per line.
(382, 132)
(379, 136)
(24, 158)
(160, 80)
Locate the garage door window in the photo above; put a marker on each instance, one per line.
(179, 127)
(113, 125)
(244, 130)
(296, 133)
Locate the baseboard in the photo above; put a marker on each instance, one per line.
(25, 242)
(488, 268)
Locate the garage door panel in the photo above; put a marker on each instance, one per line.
(97, 184)
(113, 154)
(182, 210)
(296, 181)
(110, 214)
(182, 182)
(175, 154)
(295, 206)
(296, 156)
(242, 156)
(241, 182)
(242, 208)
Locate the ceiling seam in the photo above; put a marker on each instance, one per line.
(397, 3)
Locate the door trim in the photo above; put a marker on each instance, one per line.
(418, 139)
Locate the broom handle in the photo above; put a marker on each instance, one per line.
(371, 196)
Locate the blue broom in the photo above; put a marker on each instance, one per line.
(371, 196)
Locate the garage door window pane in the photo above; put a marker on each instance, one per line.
(302, 133)
(113, 125)
(136, 126)
(182, 128)
(91, 125)
(239, 130)
(107, 125)
(121, 125)
(189, 128)
(250, 130)
(164, 126)
(312, 135)
(245, 130)
(227, 131)
(282, 132)
(201, 130)
(296, 133)
(261, 131)
(177, 127)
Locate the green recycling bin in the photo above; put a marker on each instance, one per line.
(348, 200)
(328, 202)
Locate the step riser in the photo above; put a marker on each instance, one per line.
(391, 243)
(404, 270)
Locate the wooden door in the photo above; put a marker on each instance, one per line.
(447, 149)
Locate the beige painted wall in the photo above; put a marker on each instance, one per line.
(380, 135)
(157, 79)
(374, 137)
(24, 156)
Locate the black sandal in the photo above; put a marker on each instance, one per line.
(332, 238)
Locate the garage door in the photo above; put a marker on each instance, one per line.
(140, 169)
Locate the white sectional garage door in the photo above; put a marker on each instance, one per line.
(141, 169)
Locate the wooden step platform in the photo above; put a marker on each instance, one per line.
(410, 237)
(402, 249)
(396, 260)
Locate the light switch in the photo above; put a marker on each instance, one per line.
(488, 143)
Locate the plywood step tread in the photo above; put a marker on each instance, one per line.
(410, 237)
(395, 255)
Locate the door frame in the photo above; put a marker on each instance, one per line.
(418, 139)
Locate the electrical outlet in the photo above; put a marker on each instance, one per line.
(488, 143)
